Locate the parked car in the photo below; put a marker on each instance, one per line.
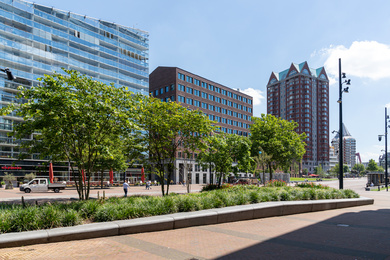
(41, 185)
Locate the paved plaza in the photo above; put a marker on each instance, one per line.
(349, 233)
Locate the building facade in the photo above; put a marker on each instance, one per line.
(349, 147)
(301, 94)
(231, 109)
(37, 40)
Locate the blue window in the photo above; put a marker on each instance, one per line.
(172, 98)
(244, 108)
(204, 105)
(196, 103)
(189, 79)
(181, 87)
(196, 92)
(250, 101)
(161, 90)
(224, 102)
(234, 105)
(204, 95)
(250, 110)
(211, 117)
(244, 100)
(235, 114)
(204, 85)
(181, 76)
(197, 82)
(173, 87)
(181, 99)
(223, 92)
(211, 87)
(229, 103)
(211, 97)
(217, 89)
(189, 90)
(211, 107)
(156, 92)
(218, 109)
(234, 96)
(249, 118)
(166, 88)
(189, 101)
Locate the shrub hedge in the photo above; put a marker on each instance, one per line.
(16, 218)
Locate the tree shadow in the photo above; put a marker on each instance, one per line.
(355, 235)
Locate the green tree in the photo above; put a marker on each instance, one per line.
(228, 153)
(372, 166)
(260, 162)
(278, 139)
(170, 128)
(75, 116)
(335, 169)
(359, 168)
(319, 171)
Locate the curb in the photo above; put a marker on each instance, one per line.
(176, 220)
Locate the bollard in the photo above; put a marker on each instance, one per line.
(98, 195)
(23, 203)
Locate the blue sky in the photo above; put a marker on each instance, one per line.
(239, 43)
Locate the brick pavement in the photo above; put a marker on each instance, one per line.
(349, 233)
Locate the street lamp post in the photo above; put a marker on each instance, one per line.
(10, 76)
(348, 82)
(380, 138)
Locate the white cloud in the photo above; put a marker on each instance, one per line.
(256, 94)
(363, 59)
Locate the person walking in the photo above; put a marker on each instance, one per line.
(125, 187)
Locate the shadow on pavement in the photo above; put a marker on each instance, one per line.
(360, 235)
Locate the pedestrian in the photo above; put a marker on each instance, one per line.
(125, 187)
(150, 185)
(147, 185)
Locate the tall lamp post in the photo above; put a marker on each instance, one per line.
(348, 82)
(380, 138)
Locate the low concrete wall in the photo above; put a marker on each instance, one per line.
(177, 220)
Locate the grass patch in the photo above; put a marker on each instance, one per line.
(16, 218)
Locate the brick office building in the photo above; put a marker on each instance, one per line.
(231, 109)
(301, 94)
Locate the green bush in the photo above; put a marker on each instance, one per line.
(16, 218)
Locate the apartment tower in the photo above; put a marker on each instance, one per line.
(301, 94)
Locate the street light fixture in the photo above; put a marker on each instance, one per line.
(9, 73)
(380, 138)
(341, 91)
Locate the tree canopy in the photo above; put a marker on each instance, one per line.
(373, 166)
(169, 128)
(72, 117)
(228, 153)
(277, 138)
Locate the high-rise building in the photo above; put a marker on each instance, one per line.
(349, 147)
(37, 40)
(231, 109)
(301, 94)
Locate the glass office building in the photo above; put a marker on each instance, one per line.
(37, 40)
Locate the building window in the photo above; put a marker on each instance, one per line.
(161, 90)
(167, 89)
(181, 99)
(181, 76)
(181, 87)
(173, 87)
(189, 79)
(156, 93)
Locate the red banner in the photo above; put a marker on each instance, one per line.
(51, 173)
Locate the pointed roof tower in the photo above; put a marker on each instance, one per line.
(346, 133)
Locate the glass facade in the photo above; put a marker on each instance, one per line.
(36, 40)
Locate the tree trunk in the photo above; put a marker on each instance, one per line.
(101, 179)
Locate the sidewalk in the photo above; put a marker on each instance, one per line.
(348, 233)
